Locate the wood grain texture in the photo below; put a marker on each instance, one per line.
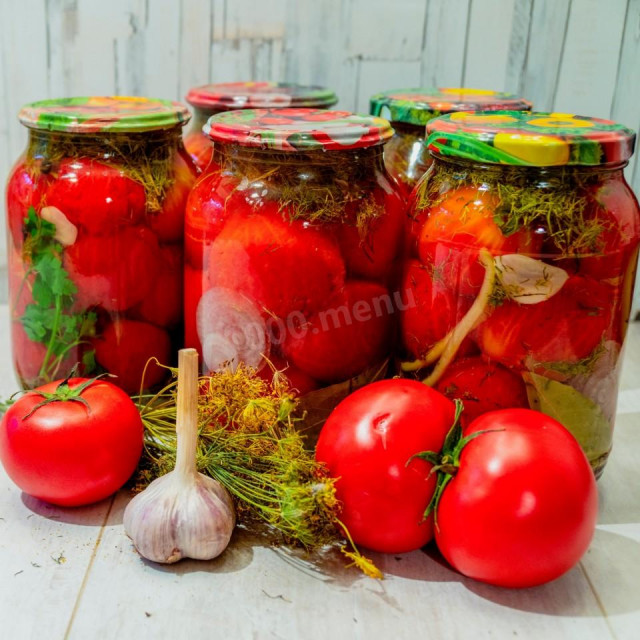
(569, 55)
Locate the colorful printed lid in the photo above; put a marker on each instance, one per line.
(109, 113)
(297, 129)
(534, 139)
(259, 95)
(418, 106)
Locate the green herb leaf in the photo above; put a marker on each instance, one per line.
(580, 415)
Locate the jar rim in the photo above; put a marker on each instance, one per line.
(419, 105)
(303, 129)
(259, 95)
(95, 114)
(541, 139)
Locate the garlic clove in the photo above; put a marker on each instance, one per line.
(180, 517)
(527, 280)
(66, 232)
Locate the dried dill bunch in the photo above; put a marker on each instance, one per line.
(249, 442)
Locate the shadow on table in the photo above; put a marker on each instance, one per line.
(612, 563)
(90, 515)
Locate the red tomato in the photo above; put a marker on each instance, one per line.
(163, 304)
(482, 387)
(200, 148)
(370, 253)
(168, 223)
(522, 508)
(124, 348)
(351, 333)
(96, 196)
(194, 287)
(205, 215)
(24, 190)
(281, 266)
(366, 443)
(67, 453)
(432, 310)
(115, 272)
(614, 207)
(456, 228)
(565, 328)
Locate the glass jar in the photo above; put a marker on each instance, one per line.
(227, 96)
(95, 212)
(409, 110)
(291, 245)
(524, 243)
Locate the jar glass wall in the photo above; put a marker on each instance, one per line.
(523, 275)
(96, 217)
(291, 251)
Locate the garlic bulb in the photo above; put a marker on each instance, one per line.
(183, 514)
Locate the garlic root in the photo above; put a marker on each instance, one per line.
(183, 514)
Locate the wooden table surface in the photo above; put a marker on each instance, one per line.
(73, 573)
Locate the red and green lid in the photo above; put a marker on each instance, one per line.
(530, 139)
(92, 114)
(418, 106)
(226, 96)
(298, 129)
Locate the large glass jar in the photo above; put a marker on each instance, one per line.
(524, 244)
(96, 220)
(227, 96)
(291, 243)
(409, 110)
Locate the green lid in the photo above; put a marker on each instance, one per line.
(530, 139)
(418, 106)
(96, 113)
(298, 129)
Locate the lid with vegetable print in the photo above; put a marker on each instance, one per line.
(259, 95)
(418, 106)
(530, 139)
(298, 129)
(117, 114)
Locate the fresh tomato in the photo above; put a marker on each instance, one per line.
(613, 207)
(432, 310)
(565, 328)
(163, 304)
(124, 348)
(75, 450)
(521, 509)
(96, 196)
(200, 148)
(352, 332)
(482, 387)
(24, 190)
(282, 266)
(370, 252)
(114, 272)
(367, 443)
(168, 223)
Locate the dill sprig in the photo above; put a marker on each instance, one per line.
(249, 441)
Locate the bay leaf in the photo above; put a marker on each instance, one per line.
(580, 415)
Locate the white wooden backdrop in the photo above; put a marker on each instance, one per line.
(579, 56)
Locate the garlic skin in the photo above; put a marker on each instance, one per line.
(179, 517)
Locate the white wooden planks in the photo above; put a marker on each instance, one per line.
(569, 55)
